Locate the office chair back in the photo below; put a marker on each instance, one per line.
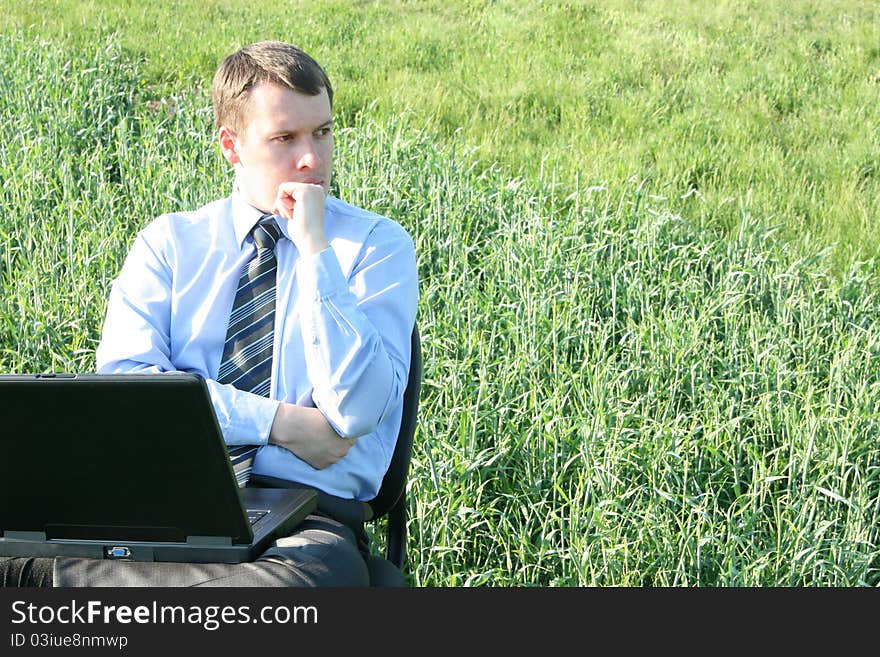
(390, 501)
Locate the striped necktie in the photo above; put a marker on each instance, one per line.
(247, 352)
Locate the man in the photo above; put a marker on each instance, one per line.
(335, 352)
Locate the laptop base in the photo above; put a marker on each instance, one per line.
(298, 502)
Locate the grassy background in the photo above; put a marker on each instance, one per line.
(622, 386)
(773, 104)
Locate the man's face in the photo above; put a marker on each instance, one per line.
(287, 137)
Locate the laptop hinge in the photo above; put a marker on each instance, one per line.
(25, 536)
(209, 540)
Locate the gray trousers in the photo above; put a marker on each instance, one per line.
(321, 551)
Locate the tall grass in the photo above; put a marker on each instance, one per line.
(721, 100)
(613, 394)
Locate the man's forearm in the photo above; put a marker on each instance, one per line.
(358, 351)
(305, 432)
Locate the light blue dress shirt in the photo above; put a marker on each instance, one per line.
(343, 322)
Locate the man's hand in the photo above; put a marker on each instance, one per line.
(306, 432)
(303, 205)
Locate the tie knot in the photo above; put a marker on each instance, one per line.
(266, 233)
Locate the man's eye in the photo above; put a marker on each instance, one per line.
(282, 138)
(325, 132)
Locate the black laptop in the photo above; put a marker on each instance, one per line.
(129, 466)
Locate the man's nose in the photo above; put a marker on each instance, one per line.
(308, 157)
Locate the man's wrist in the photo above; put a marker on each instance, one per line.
(277, 431)
(312, 247)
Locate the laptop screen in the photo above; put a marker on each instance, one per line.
(125, 457)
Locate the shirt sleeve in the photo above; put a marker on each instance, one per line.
(356, 331)
(136, 338)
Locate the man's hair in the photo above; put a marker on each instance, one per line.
(274, 62)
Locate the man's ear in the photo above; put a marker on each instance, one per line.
(228, 146)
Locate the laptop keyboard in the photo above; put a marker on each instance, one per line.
(255, 514)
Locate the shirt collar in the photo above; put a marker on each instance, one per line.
(245, 216)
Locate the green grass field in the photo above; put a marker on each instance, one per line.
(717, 104)
(649, 305)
